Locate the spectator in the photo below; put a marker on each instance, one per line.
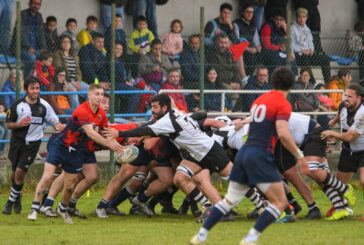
(93, 62)
(61, 104)
(122, 83)
(6, 12)
(66, 57)
(172, 42)
(10, 86)
(303, 47)
(271, 7)
(106, 11)
(221, 58)
(190, 62)
(32, 35)
(246, 30)
(139, 43)
(274, 41)
(355, 40)
(258, 82)
(119, 33)
(213, 100)
(313, 21)
(84, 37)
(303, 102)
(4, 132)
(71, 26)
(51, 33)
(174, 82)
(153, 66)
(193, 102)
(220, 25)
(341, 81)
(146, 8)
(44, 69)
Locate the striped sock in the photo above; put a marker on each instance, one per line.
(312, 206)
(63, 207)
(48, 202)
(334, 197)
(217, 212)
(36, 206)
(15, 192)
(103, 204)
(197, 195)
(255, 198)
(335, 183)
(73, 202)
(124, 194)
(270, 214)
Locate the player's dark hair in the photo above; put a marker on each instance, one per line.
(30, 80)
(357, 88)
(162, 99)
(282, 79)
(343, 72)
(107, 95)
(227, 6)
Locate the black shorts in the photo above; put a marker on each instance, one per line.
(143, 158)
(22, 154)
(89, 157)
(350, 162)
(215, 160)
(313, 145)
(283, 159)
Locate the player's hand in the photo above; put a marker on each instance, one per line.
(24, 122)
(59, 127)
(326, 134)
(110, 133)
(115, 146)
(302, 164)
(238, 124)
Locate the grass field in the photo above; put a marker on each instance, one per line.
(167, 229)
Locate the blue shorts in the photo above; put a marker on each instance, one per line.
(254, 165)
(89, 157)
(69, 160)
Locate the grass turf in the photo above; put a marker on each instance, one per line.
(173, 229)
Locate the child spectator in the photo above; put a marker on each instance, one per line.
(139, 43)
(120, 36)
(51, 33)
(172, 42)
(44, 69)
(71, 26)
(4, 132)
(341, 81)
(84, 37)
(326, 103)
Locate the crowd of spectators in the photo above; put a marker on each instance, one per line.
(240, 54)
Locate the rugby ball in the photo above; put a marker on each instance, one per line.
(127, 155)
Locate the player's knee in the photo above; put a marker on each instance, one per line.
(183, 174)
(93, 178)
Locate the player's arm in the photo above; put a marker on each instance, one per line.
(348, 136)
(150, 143)
(209, 122)
(288, 142)
(137, 132)
(95, 136)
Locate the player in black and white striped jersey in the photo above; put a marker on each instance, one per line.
(26, 118)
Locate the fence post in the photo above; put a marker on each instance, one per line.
(288, 42)
(202, 58)
(18, 43)
(112, 80)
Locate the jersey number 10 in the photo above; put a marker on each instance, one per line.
(258, 112)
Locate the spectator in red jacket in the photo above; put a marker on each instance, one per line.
(174, 82)
(44, 69)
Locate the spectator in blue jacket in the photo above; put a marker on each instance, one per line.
(10, 86)
(32, 35)
(93, 62)
(119, 33)
(190, 62)
(258, 82)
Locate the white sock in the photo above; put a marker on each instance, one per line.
(202, 234)
(252, 236)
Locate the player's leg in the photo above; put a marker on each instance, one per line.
(56, 187)
(165, 180)
(44, 183)
(203, 181)
(113, 187)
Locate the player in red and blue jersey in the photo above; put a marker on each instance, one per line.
(254, 163)
(72, 148)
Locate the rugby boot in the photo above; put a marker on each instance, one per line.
(73, 211)
(195, 241)
(17, 205)
(65, 215)
(350, 196)
(33, 214)
(114, 211)
(339, 214)
(143, 207)
(314, 213)
(8, 208)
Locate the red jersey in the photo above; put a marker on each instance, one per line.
(123, 127)
(74, 136)
(265, 111)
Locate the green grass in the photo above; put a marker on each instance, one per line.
(174, 230)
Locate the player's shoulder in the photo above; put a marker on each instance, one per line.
(124, 126)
